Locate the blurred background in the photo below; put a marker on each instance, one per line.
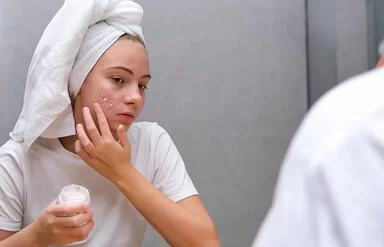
(231, 83)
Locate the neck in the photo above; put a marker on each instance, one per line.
(68, 143)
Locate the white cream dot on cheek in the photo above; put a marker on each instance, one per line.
(105, 102)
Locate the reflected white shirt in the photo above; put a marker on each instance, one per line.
(330, 189)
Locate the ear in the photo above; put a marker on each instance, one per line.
(380, 63)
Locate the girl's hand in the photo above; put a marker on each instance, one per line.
(99, 149)
(63, 224)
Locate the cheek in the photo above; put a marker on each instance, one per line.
(105, 99)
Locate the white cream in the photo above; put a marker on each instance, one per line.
(74, 194)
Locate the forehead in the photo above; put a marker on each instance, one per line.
(127, 53)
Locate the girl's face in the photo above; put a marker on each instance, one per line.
(117, 82)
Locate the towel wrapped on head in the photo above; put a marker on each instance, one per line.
(70, 46)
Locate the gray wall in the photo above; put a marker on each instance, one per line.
(352, 38)
(339, 42)
(229, 86)
(21, 25)
(375, 19)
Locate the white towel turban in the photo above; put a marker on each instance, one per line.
(73, 41)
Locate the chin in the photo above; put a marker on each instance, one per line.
(125, 125)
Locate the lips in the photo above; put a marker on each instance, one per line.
(126, 116)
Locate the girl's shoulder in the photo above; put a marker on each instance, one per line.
(12, 153)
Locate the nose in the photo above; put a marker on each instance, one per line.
(132, 94)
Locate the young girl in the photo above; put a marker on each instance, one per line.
(85, 88)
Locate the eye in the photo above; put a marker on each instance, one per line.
(143, 87)
(117, 80)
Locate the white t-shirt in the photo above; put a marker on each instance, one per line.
(30, 182)
(331, 185)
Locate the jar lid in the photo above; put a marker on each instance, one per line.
(74, 194)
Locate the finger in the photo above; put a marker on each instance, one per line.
(81, 152)
(102, 121)
(81, 232)
(92, 130)
(123, 138)
(76, 220)
(66, 210)
(84, 140)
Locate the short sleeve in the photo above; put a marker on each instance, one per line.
(171, 176)
(11, 184)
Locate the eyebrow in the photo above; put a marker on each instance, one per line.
(129, 71)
